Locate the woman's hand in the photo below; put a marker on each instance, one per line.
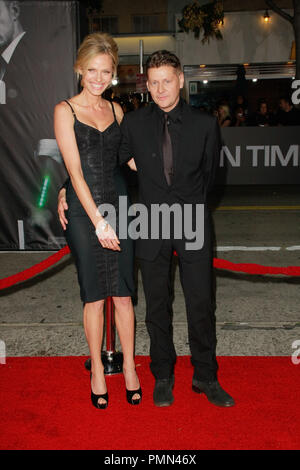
(107, 236)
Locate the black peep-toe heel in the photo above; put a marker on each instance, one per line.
(95, 398)
(131, 393)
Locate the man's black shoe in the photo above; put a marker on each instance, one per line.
(162, 394)
(214, 392)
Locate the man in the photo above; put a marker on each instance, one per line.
(11, 33)
(25, 65)
(263, 117)
(287, 114)
(29, 89)
(176, 151)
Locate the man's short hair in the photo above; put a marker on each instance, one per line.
(8, 2)
(262, 101)
(163, 57)
(286, 98)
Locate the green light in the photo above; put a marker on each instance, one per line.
(44, 191)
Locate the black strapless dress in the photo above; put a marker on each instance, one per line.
(101, 272)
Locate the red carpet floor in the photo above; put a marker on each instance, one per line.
(45, 404)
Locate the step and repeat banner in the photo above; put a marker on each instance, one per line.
(37, 48)
(260, 155)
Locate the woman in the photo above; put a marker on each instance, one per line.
(88, 135)
(239, 119)
(223, 115)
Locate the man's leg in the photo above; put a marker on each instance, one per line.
(196, 281)
(156, 277)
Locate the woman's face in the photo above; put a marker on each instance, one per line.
(221, 111)
(98, 74)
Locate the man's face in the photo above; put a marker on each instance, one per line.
(6, 24)
(283, 105)
(263, 108)
(164, 84)
(9, 13)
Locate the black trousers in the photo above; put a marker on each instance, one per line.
(197, 282)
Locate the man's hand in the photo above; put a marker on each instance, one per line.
(62, 206)
(132, 165)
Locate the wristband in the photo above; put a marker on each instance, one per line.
(102, 227)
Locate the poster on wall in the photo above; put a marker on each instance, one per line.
(260, 155)
(37, 49)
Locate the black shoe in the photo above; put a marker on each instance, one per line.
(162, 394)
(214, 392)
(131, 393)
(95, 398)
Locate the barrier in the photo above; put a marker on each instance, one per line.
(112, 359)
(247, 268)
(34, 270)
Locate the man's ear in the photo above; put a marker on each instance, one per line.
(14, 9)
(181, 78)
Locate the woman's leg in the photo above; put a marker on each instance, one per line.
(124, 317)
(93, 327)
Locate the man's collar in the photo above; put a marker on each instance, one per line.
(175, 114)
(7, 54)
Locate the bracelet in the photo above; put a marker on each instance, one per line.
(102, 227)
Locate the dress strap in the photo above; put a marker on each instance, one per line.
(70, 107)
(113, 110)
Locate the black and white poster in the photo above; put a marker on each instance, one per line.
(37, 49)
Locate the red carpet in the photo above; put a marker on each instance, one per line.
(45, 404)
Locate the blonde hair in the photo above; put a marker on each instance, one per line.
(94, 44)
(226, 110)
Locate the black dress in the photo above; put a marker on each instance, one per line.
(101, 272)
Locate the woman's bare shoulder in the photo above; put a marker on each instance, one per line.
(63, 111)
(118, 110)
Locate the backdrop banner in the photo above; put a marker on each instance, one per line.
(37, 50)
(260, 155)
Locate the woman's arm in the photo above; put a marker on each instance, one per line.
(65, 137)
(226, 123)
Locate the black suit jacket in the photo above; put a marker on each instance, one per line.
(196, 161)
(32, 77)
